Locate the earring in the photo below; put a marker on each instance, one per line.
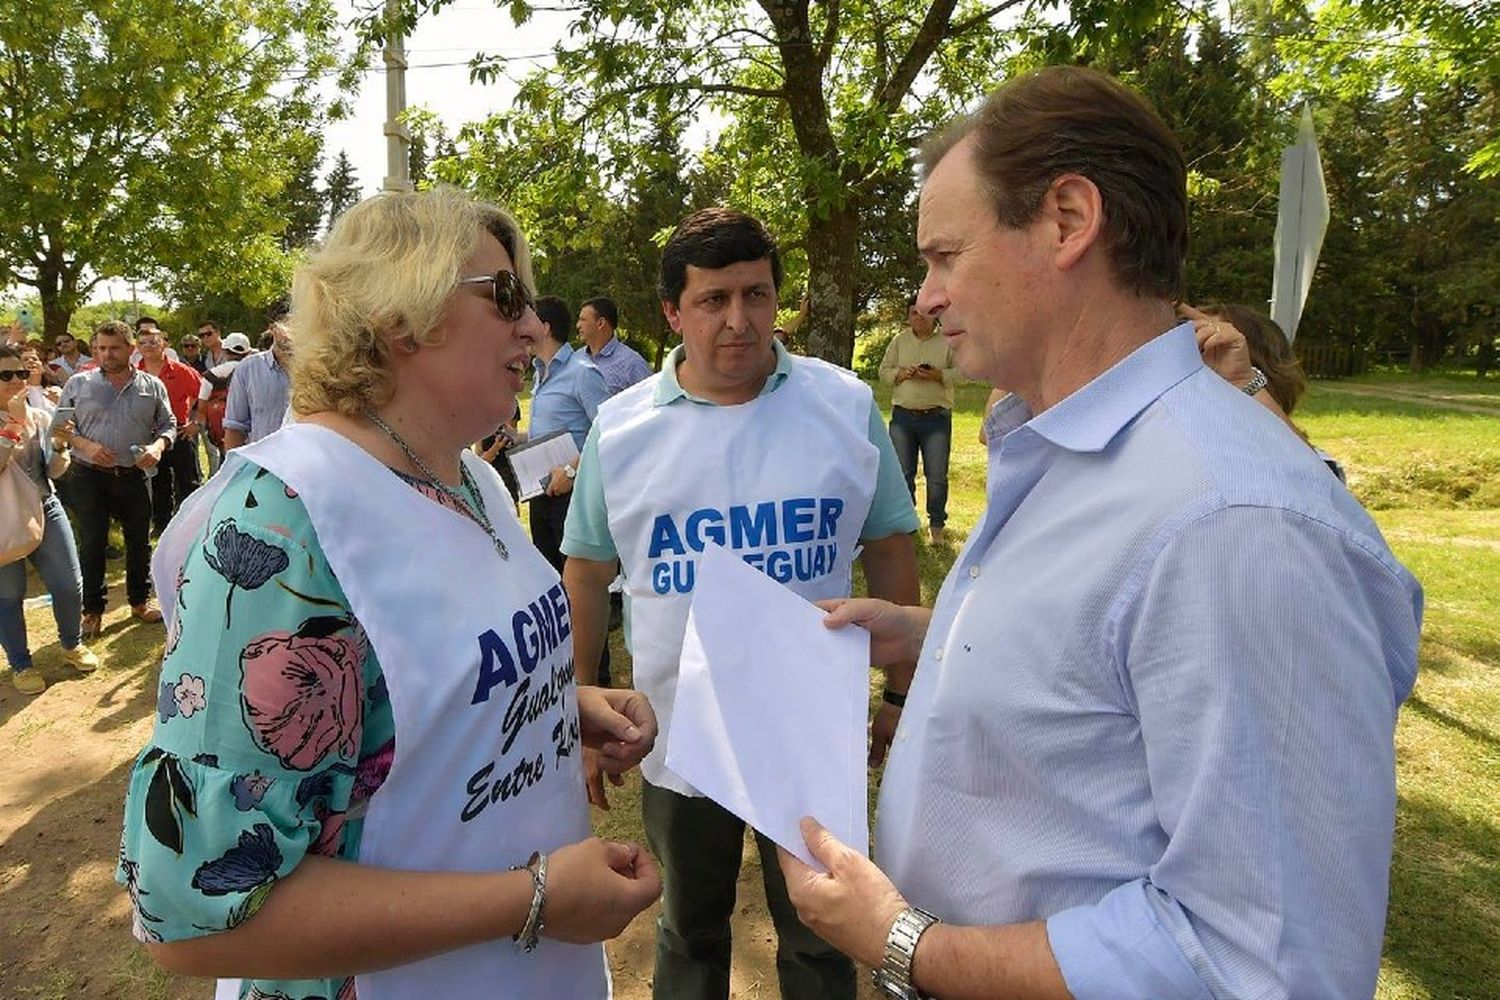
(409, 344)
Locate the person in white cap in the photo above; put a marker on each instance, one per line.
(213, 396)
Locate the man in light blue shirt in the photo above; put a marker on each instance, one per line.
(565, 396)
(260, 392)
(1149, 749)
(621, 365)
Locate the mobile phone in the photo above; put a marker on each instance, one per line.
(925, 365)
(64, 414)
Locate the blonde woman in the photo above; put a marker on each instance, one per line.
(365, 777)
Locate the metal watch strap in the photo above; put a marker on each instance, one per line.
(1258, 382)
(893, 978)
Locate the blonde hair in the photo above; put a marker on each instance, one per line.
(385, 272)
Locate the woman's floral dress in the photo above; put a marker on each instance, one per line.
(273, 728)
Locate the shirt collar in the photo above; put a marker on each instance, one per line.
(668, 389)
(1089, 419)
(545, 368)
(607, 349)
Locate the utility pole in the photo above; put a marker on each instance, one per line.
(397, 136)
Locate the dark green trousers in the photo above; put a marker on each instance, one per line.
(700, 845)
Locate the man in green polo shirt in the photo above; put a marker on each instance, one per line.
(783, 460)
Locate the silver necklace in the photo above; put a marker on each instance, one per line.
(476, 509)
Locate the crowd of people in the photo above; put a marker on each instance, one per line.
(1140, 745)
(117, 436)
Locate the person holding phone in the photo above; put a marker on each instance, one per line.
(919, 365)
(37, 442)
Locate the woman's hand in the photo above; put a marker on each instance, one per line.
(896, 631)
(15, 407)
(62, 434)
(1222, 346)
(595, 888)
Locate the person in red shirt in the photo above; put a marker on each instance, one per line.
(179, 473)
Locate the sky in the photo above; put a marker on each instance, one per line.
(437, 77)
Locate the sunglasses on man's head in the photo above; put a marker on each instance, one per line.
(510, 293)
(13, 373)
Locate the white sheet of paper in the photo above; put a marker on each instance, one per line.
(534, 461)
(771, 707)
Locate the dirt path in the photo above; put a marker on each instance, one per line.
(68, 754)
(1434, 400)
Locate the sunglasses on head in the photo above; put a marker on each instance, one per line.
(12, 373)
(510, 293)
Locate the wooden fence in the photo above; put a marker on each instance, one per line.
(1331, 360)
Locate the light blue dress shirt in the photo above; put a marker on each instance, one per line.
(621, 366)
(1157, 699)
(258, 397)
(566, 394)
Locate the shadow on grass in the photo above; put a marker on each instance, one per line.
(1436, 715)
(1445, 899)
(133, 694)
(1447, 649)
(69, 928)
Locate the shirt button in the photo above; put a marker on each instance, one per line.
(973, 572)
(937, 655)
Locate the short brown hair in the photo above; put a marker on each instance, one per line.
(113, 328)
(712, 238)
(1074, 120)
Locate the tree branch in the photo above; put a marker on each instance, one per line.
(970, 24)
(833, 13)
(936, 28)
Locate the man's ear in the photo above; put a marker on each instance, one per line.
(1077, 207)
(674, 317)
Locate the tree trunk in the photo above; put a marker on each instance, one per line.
(58, 299)
(832, 246)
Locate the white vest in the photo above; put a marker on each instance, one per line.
(786, 480)
(477, 654)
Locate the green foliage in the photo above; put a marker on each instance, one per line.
(301, 202)
(146, 139)
(869, 348)
(341, 189)
(815, 113)
(822, 107)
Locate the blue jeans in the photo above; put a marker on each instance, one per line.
(931, 433)
(56, 559)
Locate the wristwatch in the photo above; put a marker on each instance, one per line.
(570, 472)
(1258, 381)
(893, 978)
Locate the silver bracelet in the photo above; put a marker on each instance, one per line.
(530, 934)
(1258, 381)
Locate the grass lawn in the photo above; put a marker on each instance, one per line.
(1432, 480)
